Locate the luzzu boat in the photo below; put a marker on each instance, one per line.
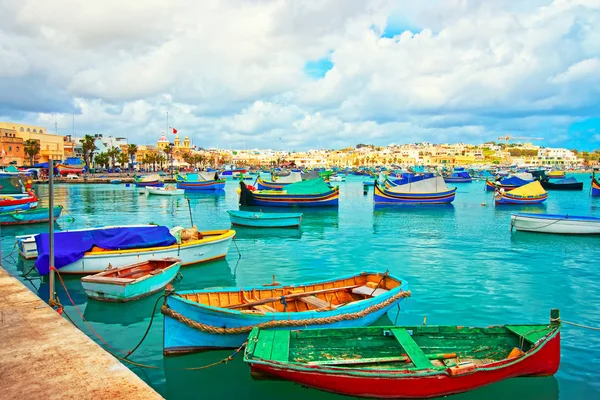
(148, 180)
(280, 183)
(32, 216)
(89, 251)
(311, 193)
(405, 361)
(459, 175)
(595, 186)
(509, 183)
(560, 224)
(14, 194)
(532, 193)
(265, 220)
(222, 318)
(426, 191)
(200, 181)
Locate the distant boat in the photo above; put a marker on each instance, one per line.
(347, 301)
(459, 175)
(164, 191)
(265, 220)
(507, 184)
(131, 282)
(556, 174)
(549, 223)
(31, 216)
(89, 251)
(337, 178)
(115, 181)
(200, 181)
(279, 182)
(311, 193)
(148, 180)
(562, 184)
(416, 362)
(15, 194)
(532, 193)
(426, 191)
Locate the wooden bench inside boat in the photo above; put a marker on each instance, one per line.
(265, 308)
(367, 291)
(412, 349)
(109, 279)
(317, 302)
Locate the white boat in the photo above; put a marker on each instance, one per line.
(560, 224)
(164, 191)
(337, 178)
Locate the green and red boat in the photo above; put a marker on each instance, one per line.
(405, 362)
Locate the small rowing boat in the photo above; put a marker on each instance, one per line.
(164, 191)
(265, 220)
(561, 224)
(31, 216)
(532, 193)
(222, 318)
(131, 282)
(413, 362)
(149, 180)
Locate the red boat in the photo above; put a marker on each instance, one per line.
(69, 169)
(405, 362)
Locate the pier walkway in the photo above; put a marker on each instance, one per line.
(43, 356)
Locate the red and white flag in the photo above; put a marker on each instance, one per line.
(174, 130)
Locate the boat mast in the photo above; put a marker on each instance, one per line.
(52, 300)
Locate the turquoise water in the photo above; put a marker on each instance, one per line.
(463, 265)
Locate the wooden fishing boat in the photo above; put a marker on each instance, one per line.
(280, 183)
(200, 181)
(413, 362)
(562, 184)
(222, 318)
(459, 175)
(32, 216)
(89, 251)
(312, 193)
(427, 191)
(149, 180)
(164, 191)
(550, 223)
(556, 174)
(595, 186)
(131, 282)
(265, 220)
(532, 193)
(507, 184)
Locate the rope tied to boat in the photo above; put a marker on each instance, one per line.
(562, 321)
(169, 312)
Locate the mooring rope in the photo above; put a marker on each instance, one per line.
(562, 321)
(169, 312)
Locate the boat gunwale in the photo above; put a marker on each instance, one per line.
(263, 215)
(564, 217)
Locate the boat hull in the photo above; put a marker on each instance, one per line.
(202, 185)
(193, 253)
(257, 220)
(18, 201)
(179, 338)
(32, 216)
(506, 198)
(382, 196)
(595, 187)
(118, 292)
(561, 186)
(448, 179)
(267, 185)
(150, 183)
(555, 224)
(544, 362)
(158, 191)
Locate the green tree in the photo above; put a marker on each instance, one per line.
(112, 153)
(123, 159)
(132, 150)
(102, 159)
(88, 144)
(31, 148)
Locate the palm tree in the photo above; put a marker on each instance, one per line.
(31, 149)
(132, 150)
(102, 159)
(89, 146)
(123, 159)
(112, 153)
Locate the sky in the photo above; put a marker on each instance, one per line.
(305, 74)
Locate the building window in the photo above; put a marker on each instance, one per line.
(41, 131)
(34, 131)
(21, 129)
(28, 130)
(9, 148)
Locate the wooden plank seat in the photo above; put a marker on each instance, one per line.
(367, 291)
(412, 349)
(317, 303)
(110, 279)
(264, 308)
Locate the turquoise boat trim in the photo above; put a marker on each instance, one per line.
(265, 220)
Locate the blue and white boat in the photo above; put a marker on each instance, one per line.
(131, 282)
(551, 223)
(200, 181)
(222, 318)
(265, 220)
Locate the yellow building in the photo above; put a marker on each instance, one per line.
(50, 145)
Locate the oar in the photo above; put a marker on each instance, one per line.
(290, 296)
(190, 208)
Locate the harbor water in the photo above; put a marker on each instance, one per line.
(463, 265)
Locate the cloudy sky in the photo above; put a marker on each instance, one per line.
(300, 74)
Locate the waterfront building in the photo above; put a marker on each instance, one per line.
(50, 145)
(11, 148)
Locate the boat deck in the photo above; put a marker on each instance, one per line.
(44, 356)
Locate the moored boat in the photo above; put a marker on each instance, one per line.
(405, 361)
(426, 191)
(595, 186)
(115, 181)
(311, 193)
(551, 223)
(265, 220)
(556, 174)
(507, 184)
(337, 178)
(15, 194)
(131, 282)
(149, 180)
(200, 181)
(164, 191)
(279, 182)
(222, 318)
(459, 175)
(89, 251)
(532, 193)
(562, 184)
(31, 216)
